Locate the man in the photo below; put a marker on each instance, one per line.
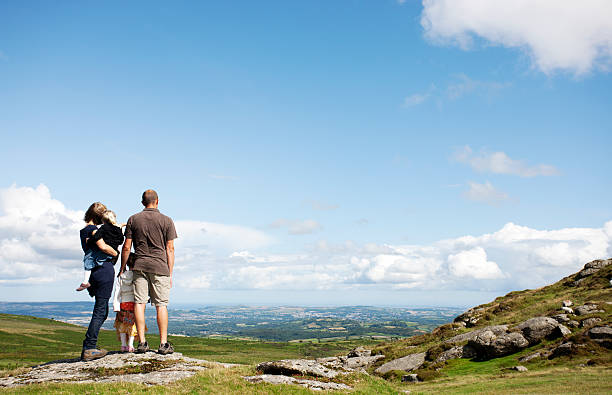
(152, 235)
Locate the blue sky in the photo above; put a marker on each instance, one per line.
(312, 152)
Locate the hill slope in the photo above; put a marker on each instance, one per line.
(496, 335)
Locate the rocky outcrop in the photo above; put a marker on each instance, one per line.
(290, 367)
(488, 345)
(567, 348)
(589, 322)
(588, 308)
(537, 328)
(470, 317)
(601, 335)
(457, 352)
(279, 372)
(311, 384)
(496, 329)
(407, 363)
(149, 368)
(590, 269)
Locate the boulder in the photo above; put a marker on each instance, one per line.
(496, 329)
(589, 322)
(601, 335)
(312, 384)
(361, 362)
(529, 357)
(588, 308)
(359, 352)
(573, 324)
(593, 267)
(410, 378)
(297, 366)
(156, 369)
(470, 317)
(453, 353)
(407, 363)
(561, 318)
(487, 345)
(562, 331)
(565, 349)
(538, 328)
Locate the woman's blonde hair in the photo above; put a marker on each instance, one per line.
(109, 217)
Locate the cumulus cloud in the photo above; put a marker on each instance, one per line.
(514, 257)
(39, 240)
(294, 227)
(500, 163)
(485, 193)
(473, 263)
(568, 35)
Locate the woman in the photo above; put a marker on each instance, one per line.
(101, 280)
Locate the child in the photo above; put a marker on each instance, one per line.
(111, 233)
(123, 304)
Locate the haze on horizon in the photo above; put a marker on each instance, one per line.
(393, 153)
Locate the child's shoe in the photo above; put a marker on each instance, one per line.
(131, 349)
(83, 286)
(124, 348)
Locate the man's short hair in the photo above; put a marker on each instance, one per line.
(149, 197)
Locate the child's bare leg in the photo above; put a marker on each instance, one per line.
(85, 284)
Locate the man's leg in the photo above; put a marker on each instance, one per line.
(139, 317)
(162, 323)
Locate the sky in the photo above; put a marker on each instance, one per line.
(405, 153)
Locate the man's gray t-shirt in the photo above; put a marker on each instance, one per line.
(150, 230)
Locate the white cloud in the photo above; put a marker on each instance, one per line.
(514, 257)
(485, 193)
(473, 263)
(500, 163)
(303, 227)
(569, 35)
(198, 282)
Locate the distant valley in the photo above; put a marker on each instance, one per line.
(277, 323)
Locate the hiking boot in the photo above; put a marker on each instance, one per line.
(142, 348)
(93, 353)
(165, 349)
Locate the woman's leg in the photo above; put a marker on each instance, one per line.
(99, 315)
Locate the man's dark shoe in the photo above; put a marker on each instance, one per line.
(93, 353)
(165, 349)
(142, 348)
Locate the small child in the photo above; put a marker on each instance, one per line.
(123, 305)
(110, 232)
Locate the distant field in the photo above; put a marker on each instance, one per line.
(27, 341)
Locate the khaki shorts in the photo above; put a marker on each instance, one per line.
(151, 285)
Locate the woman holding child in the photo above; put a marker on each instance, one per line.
(99, 281)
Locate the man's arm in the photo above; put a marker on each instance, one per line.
(170, 256)
(125, 254)
(105, 248)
